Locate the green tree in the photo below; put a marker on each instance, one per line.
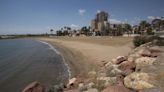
(128, 28)
(144, 25)
(84, 30)
(59, 33)
(158, 24)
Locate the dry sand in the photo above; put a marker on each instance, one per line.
(84, 54)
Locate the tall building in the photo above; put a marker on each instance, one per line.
(94, 24)
(102, 16)
(100, 24)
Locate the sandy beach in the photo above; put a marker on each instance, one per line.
(84, 54)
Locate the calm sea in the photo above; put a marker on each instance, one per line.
(23, 61)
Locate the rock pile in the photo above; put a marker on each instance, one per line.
(123, 74)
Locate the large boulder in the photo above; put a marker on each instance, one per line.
(115, 72)
(105, 81)
(131, 59)
(102, 72)
(144, 52)
(145, 61)
(112, 70)
(119, 87)
(82, 87)
(90, 85)
(151, 52)
(135, 55)
(127, 72)
(103, 63)
(138, 81)
(34, 87)
(127, 67)
(108, 64)
(155, 49)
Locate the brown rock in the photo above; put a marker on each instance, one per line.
(127, 65)
(105, 81)
(131, 59)
(103, 63)
(138, 81)
(127, 72)
(71, 83)
(120, 59)
(144, 52)
(34, 87)
(108, 64)
(120, 78)
(113, 70)
(145, 61)
(155, 49)
(155, 54)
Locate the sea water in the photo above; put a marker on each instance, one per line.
(23, 61)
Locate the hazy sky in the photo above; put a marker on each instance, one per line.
(38, 16)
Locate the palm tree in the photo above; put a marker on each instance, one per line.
(128, 28)
(158, 24)
(84, 30)
(51, 31)
(59, 33)
(144, 26)
(119, 30)
(68, 28)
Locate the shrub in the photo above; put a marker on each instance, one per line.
(139, 40)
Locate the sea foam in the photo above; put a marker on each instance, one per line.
(56, 51)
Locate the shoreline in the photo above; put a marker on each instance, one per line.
(79, 59)
(70, 57)
(56, 51)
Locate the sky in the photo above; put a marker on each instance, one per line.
(39, 16)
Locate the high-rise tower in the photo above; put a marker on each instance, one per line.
(100, 24)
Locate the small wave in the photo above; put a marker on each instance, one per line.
(51, 47)
(56, 51)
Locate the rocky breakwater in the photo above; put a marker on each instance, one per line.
(140, 71)
(132, 73)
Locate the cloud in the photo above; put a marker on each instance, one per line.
(74, 26)
(82, 11)
(137, 19)
(115, 21)
(112, 15)
(158, 17)
(151, 17)
(98, 11)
